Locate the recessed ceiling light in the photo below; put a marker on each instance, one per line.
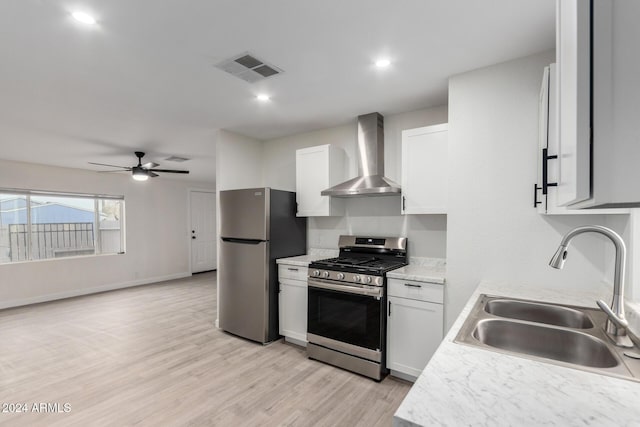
(262, 97)
(83, 17)
(383, 63)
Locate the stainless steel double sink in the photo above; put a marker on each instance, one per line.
(563, 335)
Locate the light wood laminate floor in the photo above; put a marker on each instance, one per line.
(151, 355)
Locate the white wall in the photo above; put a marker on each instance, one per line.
(493, 230)
(376, 215)
(238, 161)
(157, 237)
(239, 164)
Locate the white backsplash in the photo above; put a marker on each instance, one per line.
(328, 253)
(380, 216)
(427, 262)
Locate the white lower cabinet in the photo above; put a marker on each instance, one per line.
(292, 303)
(414, 325)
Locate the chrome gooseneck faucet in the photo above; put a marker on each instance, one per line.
(616, 327)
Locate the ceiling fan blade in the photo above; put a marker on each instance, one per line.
(123, 170)
(169, 171)
(153, 175)
(150, 165)
(113, 166)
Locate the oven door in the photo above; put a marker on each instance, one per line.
(348, 314)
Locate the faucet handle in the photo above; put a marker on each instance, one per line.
(620, 322)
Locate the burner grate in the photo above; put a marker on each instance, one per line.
(360, 264)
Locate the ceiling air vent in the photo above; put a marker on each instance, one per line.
(249, 68)
(176, 159)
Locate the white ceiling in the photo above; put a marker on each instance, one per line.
(144, 78)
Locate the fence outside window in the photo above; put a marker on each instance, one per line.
(37, 225)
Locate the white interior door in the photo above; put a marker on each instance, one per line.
(203, 231)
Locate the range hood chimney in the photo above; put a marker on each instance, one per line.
(370, 151)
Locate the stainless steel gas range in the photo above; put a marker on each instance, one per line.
(347, 304)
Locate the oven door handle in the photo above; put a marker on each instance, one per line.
(346, 289)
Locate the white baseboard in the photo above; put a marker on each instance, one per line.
(88, 291)
(301, 343)
(402, 375)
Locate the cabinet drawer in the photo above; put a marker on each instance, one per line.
(296, 272)
(412, 289)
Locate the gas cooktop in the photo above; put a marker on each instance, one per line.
(364, 260)
(374, 265)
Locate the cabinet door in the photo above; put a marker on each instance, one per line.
(318, 168)
(616, 104)
(414, 333)
(293, 309)
(573, 60)
(544, 129)
(548, 204)
(424, 170)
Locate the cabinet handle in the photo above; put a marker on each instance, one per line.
(292, 269)
(412, 285)
(545, 180)
(389, 308)
(404, 200)
(536, 202)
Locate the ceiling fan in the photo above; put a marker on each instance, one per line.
(141, 172)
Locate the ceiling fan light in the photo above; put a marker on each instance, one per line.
(140, 175)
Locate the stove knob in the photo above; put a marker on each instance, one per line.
(356, 278)
(340, 276)
(325, 274)
(316, 272)
(368, 279)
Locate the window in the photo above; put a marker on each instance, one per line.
(36, 225)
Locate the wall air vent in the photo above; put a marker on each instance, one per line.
(249, 68)
(177, 159)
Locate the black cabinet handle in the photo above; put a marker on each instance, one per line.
(412, 285)
(404, 207)
(389, 308)
(536, 202)
(545, 169)
(193, 237)
(292, 269)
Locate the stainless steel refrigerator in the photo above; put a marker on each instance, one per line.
(257, 226)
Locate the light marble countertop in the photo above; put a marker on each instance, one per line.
(419, 273)
(313, 255)
(464, 385)
(432, 270)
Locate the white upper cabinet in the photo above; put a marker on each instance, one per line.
(574, 100)
(318, 168)
(424, 170)
(546, 190)
(599, 100)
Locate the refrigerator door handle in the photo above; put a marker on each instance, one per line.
(242, 241)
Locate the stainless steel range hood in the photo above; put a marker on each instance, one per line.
(370, 151)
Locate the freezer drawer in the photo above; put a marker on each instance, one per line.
(244, 214)
(243, 280)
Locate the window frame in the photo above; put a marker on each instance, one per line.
(97, 235)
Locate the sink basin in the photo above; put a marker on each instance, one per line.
(558, 344)
(562, 335)
(541, 313)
